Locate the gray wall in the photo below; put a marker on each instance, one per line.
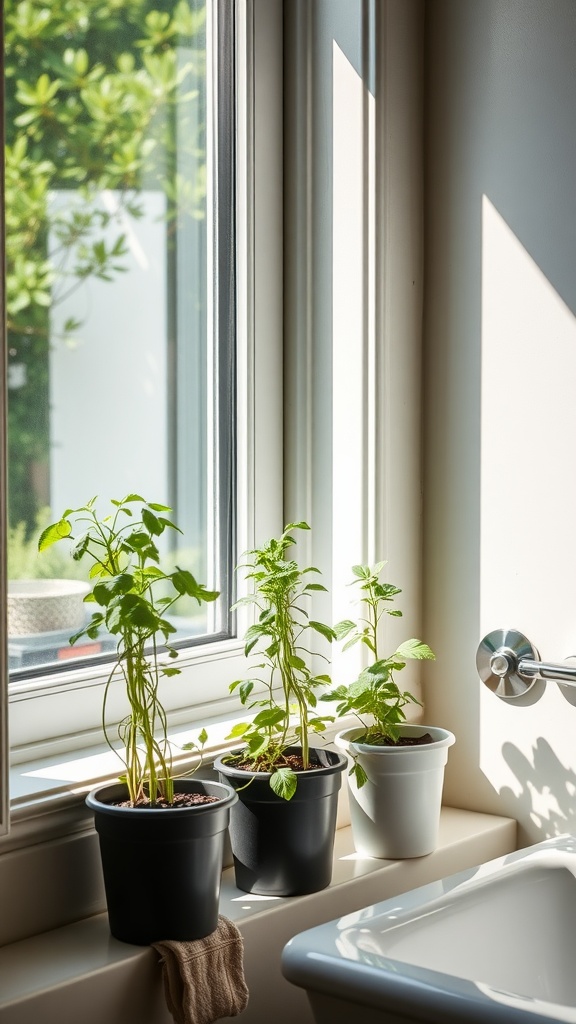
(499, 377)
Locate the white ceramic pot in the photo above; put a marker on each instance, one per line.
(396, 813)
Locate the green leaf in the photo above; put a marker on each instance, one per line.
(415, 649)
(244, 686)
(57, 531)
(256, 744)
(342, 629)
(269, 717)
(323, 629)
(319, 724)
(238, 730)
(185, 583)
(358, 774)
(295, 662)
(283, 782)
(108, 589)
(152, 523)
(340, 693)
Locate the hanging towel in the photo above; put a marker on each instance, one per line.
(204, 979)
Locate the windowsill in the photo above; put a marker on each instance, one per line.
(80, 972)
(74, 773)
(47, 793)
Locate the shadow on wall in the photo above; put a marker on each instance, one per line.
(550, 808)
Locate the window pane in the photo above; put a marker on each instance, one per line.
(119, 208)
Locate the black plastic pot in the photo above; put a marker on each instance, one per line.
(284, 847)
(162, 866)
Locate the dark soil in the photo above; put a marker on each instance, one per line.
(403, 741)
(293, 761)
(180, 800)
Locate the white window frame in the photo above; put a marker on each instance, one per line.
(4, 745)
(67, 710)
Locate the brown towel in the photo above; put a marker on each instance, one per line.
(204, 979)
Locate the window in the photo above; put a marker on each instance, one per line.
(120, 292)
(140, 329)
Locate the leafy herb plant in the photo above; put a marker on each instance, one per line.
(375, 694)
(133, 596)
(280, 633)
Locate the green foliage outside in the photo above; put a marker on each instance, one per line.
(24, 562)
(97, 92)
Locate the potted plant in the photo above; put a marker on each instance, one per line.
(161, 837)
(396, 769)
(282, 828)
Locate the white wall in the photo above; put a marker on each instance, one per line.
(500, 376)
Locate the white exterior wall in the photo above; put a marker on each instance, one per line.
(500, 382)
(108, 385)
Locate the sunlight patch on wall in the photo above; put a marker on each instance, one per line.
(528, 496)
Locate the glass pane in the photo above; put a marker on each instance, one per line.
(115, 185)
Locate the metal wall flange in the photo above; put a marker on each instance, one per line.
(509, 665)
(497, 660)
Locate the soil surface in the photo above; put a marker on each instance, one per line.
(403, 741)
(180, 800)
(293, 761)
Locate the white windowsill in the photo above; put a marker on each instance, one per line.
(79, 972)
(42, 787)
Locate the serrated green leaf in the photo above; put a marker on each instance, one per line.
(55, 532)
(338, 694)
(415, 649)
